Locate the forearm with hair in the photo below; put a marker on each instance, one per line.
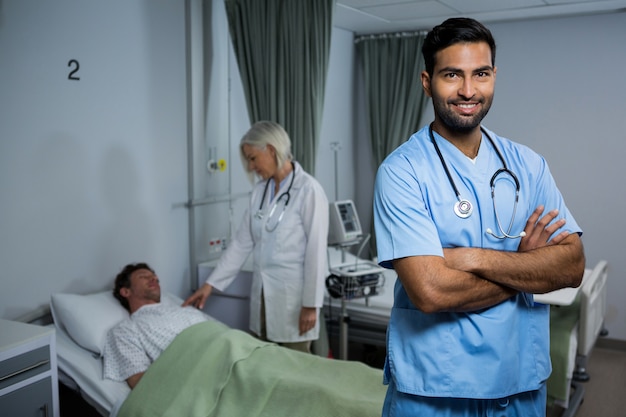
(536, 271)
(432, 286)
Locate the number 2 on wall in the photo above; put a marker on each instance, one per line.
(74, 66)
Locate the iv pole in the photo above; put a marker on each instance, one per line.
(343, 321)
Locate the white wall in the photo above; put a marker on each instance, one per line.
(93, 173)
(559, 90)
(90, 170)
(337, 125)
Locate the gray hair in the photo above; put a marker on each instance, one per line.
(265, 133)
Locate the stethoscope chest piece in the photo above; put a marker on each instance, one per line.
(463, 208)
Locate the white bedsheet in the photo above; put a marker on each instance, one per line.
(85, 371)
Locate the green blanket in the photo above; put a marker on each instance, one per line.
(211, 370)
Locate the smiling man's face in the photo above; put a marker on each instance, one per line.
(461, 87)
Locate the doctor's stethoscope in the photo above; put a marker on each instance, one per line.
(463, 208)
(270, 226)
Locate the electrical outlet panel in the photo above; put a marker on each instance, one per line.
(217, 244)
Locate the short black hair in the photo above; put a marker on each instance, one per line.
(452, 31)
(122, 280)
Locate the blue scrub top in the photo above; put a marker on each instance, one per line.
(491, 353)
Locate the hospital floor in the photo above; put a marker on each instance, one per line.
(605, 392)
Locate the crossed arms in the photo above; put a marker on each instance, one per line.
(469, 279)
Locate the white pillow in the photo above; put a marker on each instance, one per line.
(87, 318)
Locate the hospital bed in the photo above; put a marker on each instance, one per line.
(207, 366)
(586, 306)
(576, 322)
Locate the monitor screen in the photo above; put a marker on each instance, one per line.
(344, 225)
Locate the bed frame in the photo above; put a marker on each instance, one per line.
(590, 327)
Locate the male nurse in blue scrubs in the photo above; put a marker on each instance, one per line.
(474, 225)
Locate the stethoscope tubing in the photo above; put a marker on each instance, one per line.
(465, 213)
(286, 195)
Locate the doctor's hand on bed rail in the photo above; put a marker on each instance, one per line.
(538, 230)
(198, 298)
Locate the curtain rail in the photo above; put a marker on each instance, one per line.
(373, 36)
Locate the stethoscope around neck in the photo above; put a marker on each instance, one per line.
(463, 208)
(270, 224)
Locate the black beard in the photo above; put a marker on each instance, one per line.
(460, 124)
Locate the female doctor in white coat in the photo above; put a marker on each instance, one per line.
(286, 226)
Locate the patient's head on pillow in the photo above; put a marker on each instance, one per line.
(123, 282)
(88, 318)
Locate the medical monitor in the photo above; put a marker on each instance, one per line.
(344, 225)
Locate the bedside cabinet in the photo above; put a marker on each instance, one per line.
(28, 370)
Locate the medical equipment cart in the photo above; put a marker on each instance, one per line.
(349, 280)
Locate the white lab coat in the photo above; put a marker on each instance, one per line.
(290, 263)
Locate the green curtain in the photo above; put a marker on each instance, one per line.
(395, 100)
(392, 64)
(282, 49)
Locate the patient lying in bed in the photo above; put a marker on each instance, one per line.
(133, 344)
(201, 367)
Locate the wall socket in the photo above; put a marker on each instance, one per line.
(217, 244)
